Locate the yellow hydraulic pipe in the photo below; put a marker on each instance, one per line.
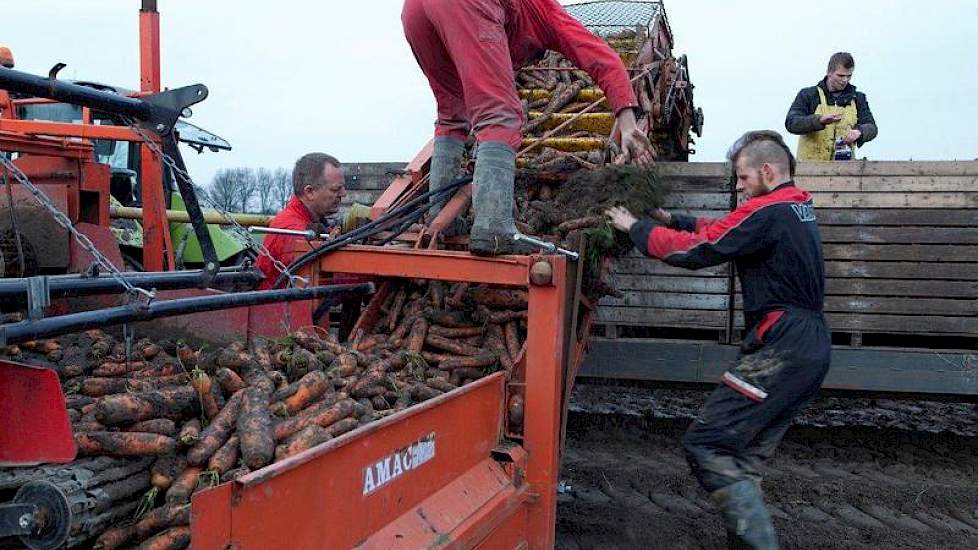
(587, 95)
(210, 216)
(569, 144)
(600, 123)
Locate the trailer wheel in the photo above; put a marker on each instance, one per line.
(53, 516)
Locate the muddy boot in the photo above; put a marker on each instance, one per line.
(446, 160)
(493, 230)
(745, 516)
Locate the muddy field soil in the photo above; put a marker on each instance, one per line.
(853, 473)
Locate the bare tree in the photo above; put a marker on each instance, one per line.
(245, 188)
(281, 189)
(263, 191)
(222, 188)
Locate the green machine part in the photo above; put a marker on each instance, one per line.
(226, 243)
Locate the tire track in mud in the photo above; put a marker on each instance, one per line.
(827, 487)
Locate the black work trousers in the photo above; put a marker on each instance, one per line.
(781, 366)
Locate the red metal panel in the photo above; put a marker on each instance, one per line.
(34, 425)
(157, 248)
(429, 264)
(316, 499)
(457, 516)
(68, 129)
(210, 517)
(149, 50)
(510, 535)
(546, 344)
(395, 192)
(104, 241)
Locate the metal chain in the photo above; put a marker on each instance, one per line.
(238, 228)
(65, 222)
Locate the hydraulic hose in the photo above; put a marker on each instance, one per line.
(23, 331)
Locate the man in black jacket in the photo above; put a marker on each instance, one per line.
(774, 240)
(831, 110)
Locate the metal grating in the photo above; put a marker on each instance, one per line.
(613, 16)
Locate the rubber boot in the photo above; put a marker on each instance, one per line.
(492, 198)
(745, 516)
(446, 160)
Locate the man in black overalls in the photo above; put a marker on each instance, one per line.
(773, 239)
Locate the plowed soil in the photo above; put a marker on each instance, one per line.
(853, 474)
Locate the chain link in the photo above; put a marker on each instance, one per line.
(65, 222)
(238, 228)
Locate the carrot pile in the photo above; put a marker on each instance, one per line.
(184, 419)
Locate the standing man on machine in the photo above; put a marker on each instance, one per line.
(831, 117)
(469, 49)
(774, 240)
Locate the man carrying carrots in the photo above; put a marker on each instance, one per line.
(774, 240)
(468, 49)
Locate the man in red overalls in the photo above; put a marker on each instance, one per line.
(469, 49)
(318, 187)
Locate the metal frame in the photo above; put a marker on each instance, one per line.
(914, 373)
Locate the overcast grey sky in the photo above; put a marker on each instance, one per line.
(291, 76)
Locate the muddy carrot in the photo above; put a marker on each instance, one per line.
(579, 223)
(308, 340)
(478, 361)
(217, 432)
(189, 432)
(370, 342)
(450, 345)
(465, 373)
(499, 297)
(435, 358)
(421, 392)
(78, 401)
(456, 332)
(368, 384)
(175, 403)
(448, 318)
(229, 380)
(254, 427)
(167, 368)
(504, 316)
(346, 365)
(202, 383)
(495, 341)
(233, 360)
(187, 356)
(440, 384)
(342, 426)
(98, 387)
(168, 515)
(395, 312)
(226, 457)
(70, 371)
(124, 443)
(183, 486)
(151, 350)
(306, 438)
(416, 338)
(158, 383)
(512, 339)
(173, 538)
(117, 369)
(162, 426)
(311, 386)
(165, 469)
(115, 537)
(322, 416)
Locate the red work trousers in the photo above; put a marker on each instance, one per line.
(462, 47)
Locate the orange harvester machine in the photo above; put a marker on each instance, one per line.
(476, 467)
